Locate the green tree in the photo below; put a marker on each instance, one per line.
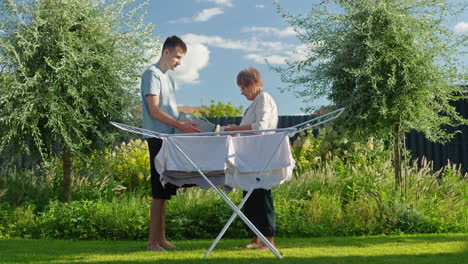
(68, 67)
(220, 110)
(391, 63)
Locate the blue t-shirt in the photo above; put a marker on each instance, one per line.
(155, 82)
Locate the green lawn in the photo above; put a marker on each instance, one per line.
(411, 249)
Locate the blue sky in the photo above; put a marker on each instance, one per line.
(226, 36)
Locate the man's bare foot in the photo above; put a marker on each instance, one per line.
(167, 244)
(155, 248)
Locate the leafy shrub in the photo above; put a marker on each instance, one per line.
(305, 152)
(17, 221)
(126, 163)
(99, 175)
(356, 179)
(28, 188)
(129, 163)
(123, 218)
(68, 220)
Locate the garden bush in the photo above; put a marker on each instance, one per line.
(100, 175)
(129, 163)
(343, 189)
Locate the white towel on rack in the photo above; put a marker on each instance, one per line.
(260, 161)
(208, 153)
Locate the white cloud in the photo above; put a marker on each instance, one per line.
(227, 3)
(202, 16)
(272, 31)
(272, 59)
(207, 14)
(260, 6)
(197, 58)
(298, 54)
(275, 46)
(256, 50)
(461, 28)
(216, 41)
(250, 45)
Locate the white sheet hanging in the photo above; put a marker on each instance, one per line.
(260, 161)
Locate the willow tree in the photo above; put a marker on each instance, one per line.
(67, 67)
(391, 63)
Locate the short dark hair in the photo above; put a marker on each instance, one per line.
(172, 42)
(249, 76)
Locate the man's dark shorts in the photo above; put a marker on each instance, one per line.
(157, 190)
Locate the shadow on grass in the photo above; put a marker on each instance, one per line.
(374, 240)
(386, 259)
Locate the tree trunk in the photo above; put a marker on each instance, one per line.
(67, 174)
(397, 155)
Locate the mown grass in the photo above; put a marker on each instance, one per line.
(411, 249)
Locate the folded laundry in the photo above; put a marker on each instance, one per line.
(199, 182)
(183, 179)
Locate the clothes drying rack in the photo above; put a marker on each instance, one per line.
(287, 132)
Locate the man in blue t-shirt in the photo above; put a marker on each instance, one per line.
(160, 115)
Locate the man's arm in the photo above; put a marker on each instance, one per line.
(157, 113)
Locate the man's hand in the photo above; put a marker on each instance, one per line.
(189, 127)
(157, 113)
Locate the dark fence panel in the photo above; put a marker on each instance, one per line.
(224, 121)
(283, 121)
(456, 150)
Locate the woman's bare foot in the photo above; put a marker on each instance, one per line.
(252, 245)
(256, 242)
(271, 240)
(264, 247)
